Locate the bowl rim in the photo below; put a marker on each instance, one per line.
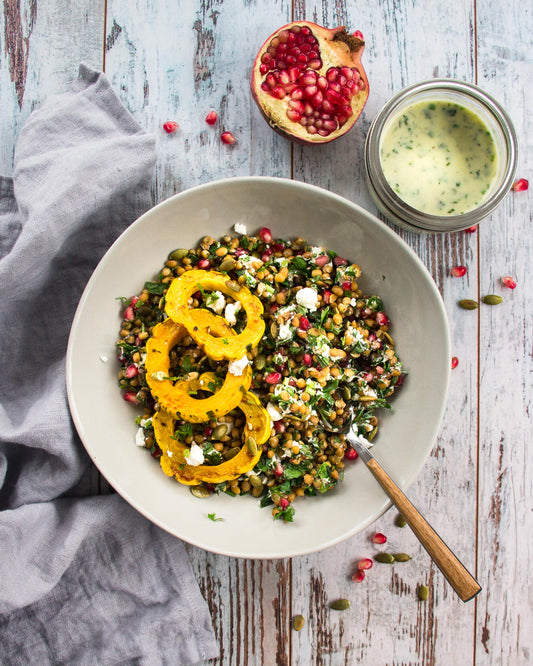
(304, 187)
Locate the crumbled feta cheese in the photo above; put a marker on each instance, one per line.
(103, 358)
(236, 367)
(196, 456)
(146, 423)
(274, 413)
(159, 376)
(169, 454)
(284, 332)
(240, 228)
(139, 437)
(307, 298)
(230, 312)
(216, 301)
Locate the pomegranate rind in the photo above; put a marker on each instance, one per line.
(334, 52)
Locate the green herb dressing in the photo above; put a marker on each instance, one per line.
(439, 157)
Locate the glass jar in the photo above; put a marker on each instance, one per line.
(479, 103)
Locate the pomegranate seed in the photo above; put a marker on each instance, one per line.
(304, 323)
(521, 185)
(208, 431)
(293, 115)
(131, 371)
(358, 576)
(278, 471)
(273, 378)
(307, 359)
(359, 35)
(379, 370)
(458, 271)
(279, 426)
(266, 236)
(170, 127)
(129, 313)
(339, 261)
(509, 282)
(134, 300)
(379, 538)
(365, 563)
(284, 502)
(351, 453)
(228, 138)
(211, 117)
(382, 319)
(203, 264)
(326, 296)
(346, 286)
(471, 230)
(130, 396)
(455, 362)
(322, 260)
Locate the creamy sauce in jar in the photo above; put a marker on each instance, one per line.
(439, 157)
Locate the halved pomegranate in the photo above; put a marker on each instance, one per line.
(309, 82)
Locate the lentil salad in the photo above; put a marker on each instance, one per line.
(326, 349)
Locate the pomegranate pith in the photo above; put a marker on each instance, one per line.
(309, 82)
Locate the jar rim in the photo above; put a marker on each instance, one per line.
(415, 218)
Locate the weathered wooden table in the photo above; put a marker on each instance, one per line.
(177, 59)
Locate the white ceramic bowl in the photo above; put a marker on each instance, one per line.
(390, 268)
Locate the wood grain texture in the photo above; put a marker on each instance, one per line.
(505, 613)
(41, 47)
(176, 60)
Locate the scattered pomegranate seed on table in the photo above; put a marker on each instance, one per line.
(170, 126)
(365, 563)
(228, 138)
(211, 117)
(359, 35)
(521, 185)
(455, 362)
(379, 538)
(358, 576)
(458, 271)
(508, 282)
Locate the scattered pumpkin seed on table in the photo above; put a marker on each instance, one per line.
(468, 304)
(340, 604)
(401, 557)
(423, 592)
(492, 299)
(298, 622)
(384, 558)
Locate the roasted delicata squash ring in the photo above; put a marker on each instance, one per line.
(218, 348)
(177, 399)
(174, 461)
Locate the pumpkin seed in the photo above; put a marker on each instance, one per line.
(252, 445)
(257, 492)
(260, 362)
(372, 434)
(384, 558)
(200, 491)
(400, 521)
(274, 330)
(231, 453)
(346, 393)
(227, 265)
(298, 622)
(423, 592)
(468, 304)
(492, 299)
(255, 481)
(220, 431)
(178, 254)
(401, 557)
(234, 286)
(340, 604)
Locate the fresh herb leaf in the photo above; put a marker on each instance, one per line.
(155, 288)
(213, 517)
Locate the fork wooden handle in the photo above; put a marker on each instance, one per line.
(456, 574)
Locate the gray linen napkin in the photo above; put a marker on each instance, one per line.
(83, 580)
